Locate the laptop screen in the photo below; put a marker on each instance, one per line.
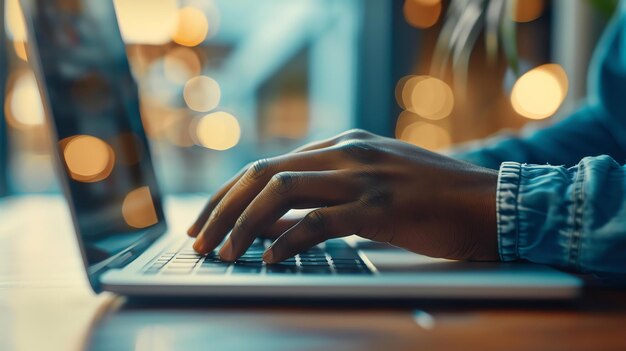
(92, 102)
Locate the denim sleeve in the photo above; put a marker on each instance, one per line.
(574, 218)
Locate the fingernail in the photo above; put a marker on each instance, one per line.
(198, 245)
(226, 252)
(268, 256)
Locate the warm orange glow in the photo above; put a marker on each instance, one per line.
(287, 117)
(405, 119)
(218, 131)
(202, 94)
(401, 88)
(426, 135)
(24, 107)
(180, 130)
(527, 10)
(138, 208)
(157, 118)
(88, 159)
(180, 64)
(147, 21)
(20, 50)
(193, 27)
(422, 13)
(16, 28)
(428, 97)
(539, 93)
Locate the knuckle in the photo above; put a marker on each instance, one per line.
(367, 176)
(376, 197)
(243, 221)
(258, 168)
(357, 134)
(216, 214)
(316, 222)
(360, 150)
(282, 183)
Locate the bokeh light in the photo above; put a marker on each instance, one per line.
(88, 159)
(422, 13)
(218, 131)
(192, 28)
(180, 64)
(426, 135)
(179, 132)
(157, 118)
(20, 50)
(527, 10)
(147, 21)
(405, 119)
(24, 108)
(426, 96)
(539, 93)
(16, 28)
(202, 93)
(138, 208)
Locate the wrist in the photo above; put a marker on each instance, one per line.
(479, 213)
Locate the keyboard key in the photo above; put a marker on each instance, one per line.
(214, 264)
(245, 269)
(351, 261)
(249, 264)
(313, 259)
(212, 270)
(314, 264)
(197, 257)
(343, 254)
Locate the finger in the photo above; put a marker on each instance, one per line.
(197, 226)
(217, 197)
(283, 224)
(317, 227)
(226, 212)
(287, 190)
(350, 134)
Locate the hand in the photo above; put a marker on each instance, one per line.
(360, 183)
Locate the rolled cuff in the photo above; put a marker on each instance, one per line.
(536, 210)
(506, 210)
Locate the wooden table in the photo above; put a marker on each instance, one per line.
(46, 304)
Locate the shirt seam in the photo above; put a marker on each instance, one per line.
(579, 198)
(517, 200)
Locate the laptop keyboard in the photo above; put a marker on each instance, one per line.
(332, 257)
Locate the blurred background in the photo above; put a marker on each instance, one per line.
(225, 82)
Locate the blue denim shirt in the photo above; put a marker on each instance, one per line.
(561, 197)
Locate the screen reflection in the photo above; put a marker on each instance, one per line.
(93, 104)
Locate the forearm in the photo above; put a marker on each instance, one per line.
(573, 218)
(581, 134)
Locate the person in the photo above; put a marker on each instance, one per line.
(554, 196)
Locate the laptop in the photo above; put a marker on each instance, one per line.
(105, 167)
